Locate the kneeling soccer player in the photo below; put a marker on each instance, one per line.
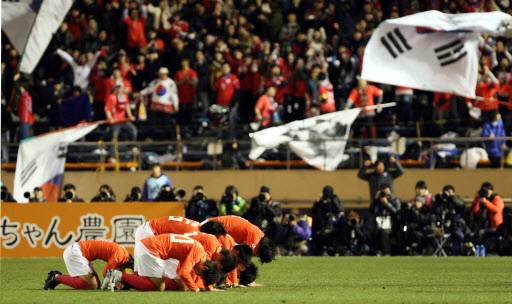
(150, 256)
(78, 258)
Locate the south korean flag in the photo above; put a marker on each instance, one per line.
(430, 50)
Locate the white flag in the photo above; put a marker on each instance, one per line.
(41, 161)
(30, 26)
(430, 50)
(320, 140)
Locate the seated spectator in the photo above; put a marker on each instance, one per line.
(70, 195)
(154, 183)
(199, 207)
(494, 148)
(294, 234)
(231, 203)
(105, 194)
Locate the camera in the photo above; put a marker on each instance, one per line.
(292, 218)
(261, 197)
(483, 193)
(444, 195)
(134, 196)
(199, 196)
(104, 195)
(383, 194)
(69, 195)
(353, 221)
(227, 198)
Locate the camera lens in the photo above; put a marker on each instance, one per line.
(353, 221)
(104, 195)
(68, 195)
(261, 197)
(199, 196)
(26, 194)
(383, 194)
(483, 193)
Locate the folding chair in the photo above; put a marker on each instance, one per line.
(440, 237)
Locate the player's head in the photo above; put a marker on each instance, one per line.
(128, 263)
(225, 259)
(244, 253)
(214, 227)
(209, 271)
(265, 250)
(249, 275)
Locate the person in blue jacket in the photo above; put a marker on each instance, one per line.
(494, 128)
(154, 183)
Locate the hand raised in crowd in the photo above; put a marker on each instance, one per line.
(367, 163)
(392, 159)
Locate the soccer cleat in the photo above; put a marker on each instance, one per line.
(51, 282)
(115, 278)
(106, 280)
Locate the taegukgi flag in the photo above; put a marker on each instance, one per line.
(320, 140)
(41, 161)
(431, 50)
(30, 24)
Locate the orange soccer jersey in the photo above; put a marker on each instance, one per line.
(173, 224)
(187, 251)
(240, 229)
(210, 243)
(228, 242)
(114, 254)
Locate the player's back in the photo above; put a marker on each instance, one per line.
(172, 246)
(103, 250)
(173, 224)
(210, 243)
(240, 229)
(227, 241)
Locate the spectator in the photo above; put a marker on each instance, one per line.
(81, 69)
(134, 196)
(414, 224)
(266, 109)
(487, 88)
(135, 23)
(363, 96)
(154, 183)
(39, 196)
(231, 203)
(200, 65)
(343, 67)
(288, 33)
(105, 194)
(381, 175)
(117, 108)
(422, 191)
(186, 80)
(265, 213)
(403, 97)
(494, 148)
(127, 69)
(385, 207)
(247, 75)
(117, 79)
(70, 195)
(356, 238)
(25, 109)
(327, 211)
(164, 97)
(199, 207)
(448, 211)
(326, 102)
(161, 17)
(294, 234)
(227, 87)
(487, 209)
(300, 81)
(316, 41)
(7, 196)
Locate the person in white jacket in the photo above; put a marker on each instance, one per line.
(164, 96)
(81, 69)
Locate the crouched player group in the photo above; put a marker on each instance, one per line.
(171, 253)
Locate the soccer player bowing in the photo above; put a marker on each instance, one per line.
(78, 258)
(150, 255)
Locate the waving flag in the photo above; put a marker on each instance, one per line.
(320, 140)
(41, 161)
(30, 26)
(430, 50)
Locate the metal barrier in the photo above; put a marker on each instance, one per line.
(213, 148)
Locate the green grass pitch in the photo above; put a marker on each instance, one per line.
(298, 280)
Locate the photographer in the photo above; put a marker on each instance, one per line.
(327, 212)
(105, 194)
(414, 221)
(356, 240)
(381, 175)
(448, 209)
(385, 207)
(36, 197)
(134, 196)
(168, 194)
(200, 208)
(294, 234)
(7, 196)
(70, 195)
(487, 211)
(231, 203)
(265, 213)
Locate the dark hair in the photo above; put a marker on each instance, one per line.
(487, 186)
(229, 261)
(129, 262)
(493, 114)
(199, 187)
(384, 186)
(249, 275)
(244, 253)
(211, 275)
(266, 250)
(108, 188)
(213, 227)
(421, 185)
(156, 165)
(448, 188)
(231, 189)
(68, 187)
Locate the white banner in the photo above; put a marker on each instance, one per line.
(30, 26)
(320, 140)
(430, 50)
(41, 161)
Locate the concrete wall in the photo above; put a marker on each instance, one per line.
(293, 185)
